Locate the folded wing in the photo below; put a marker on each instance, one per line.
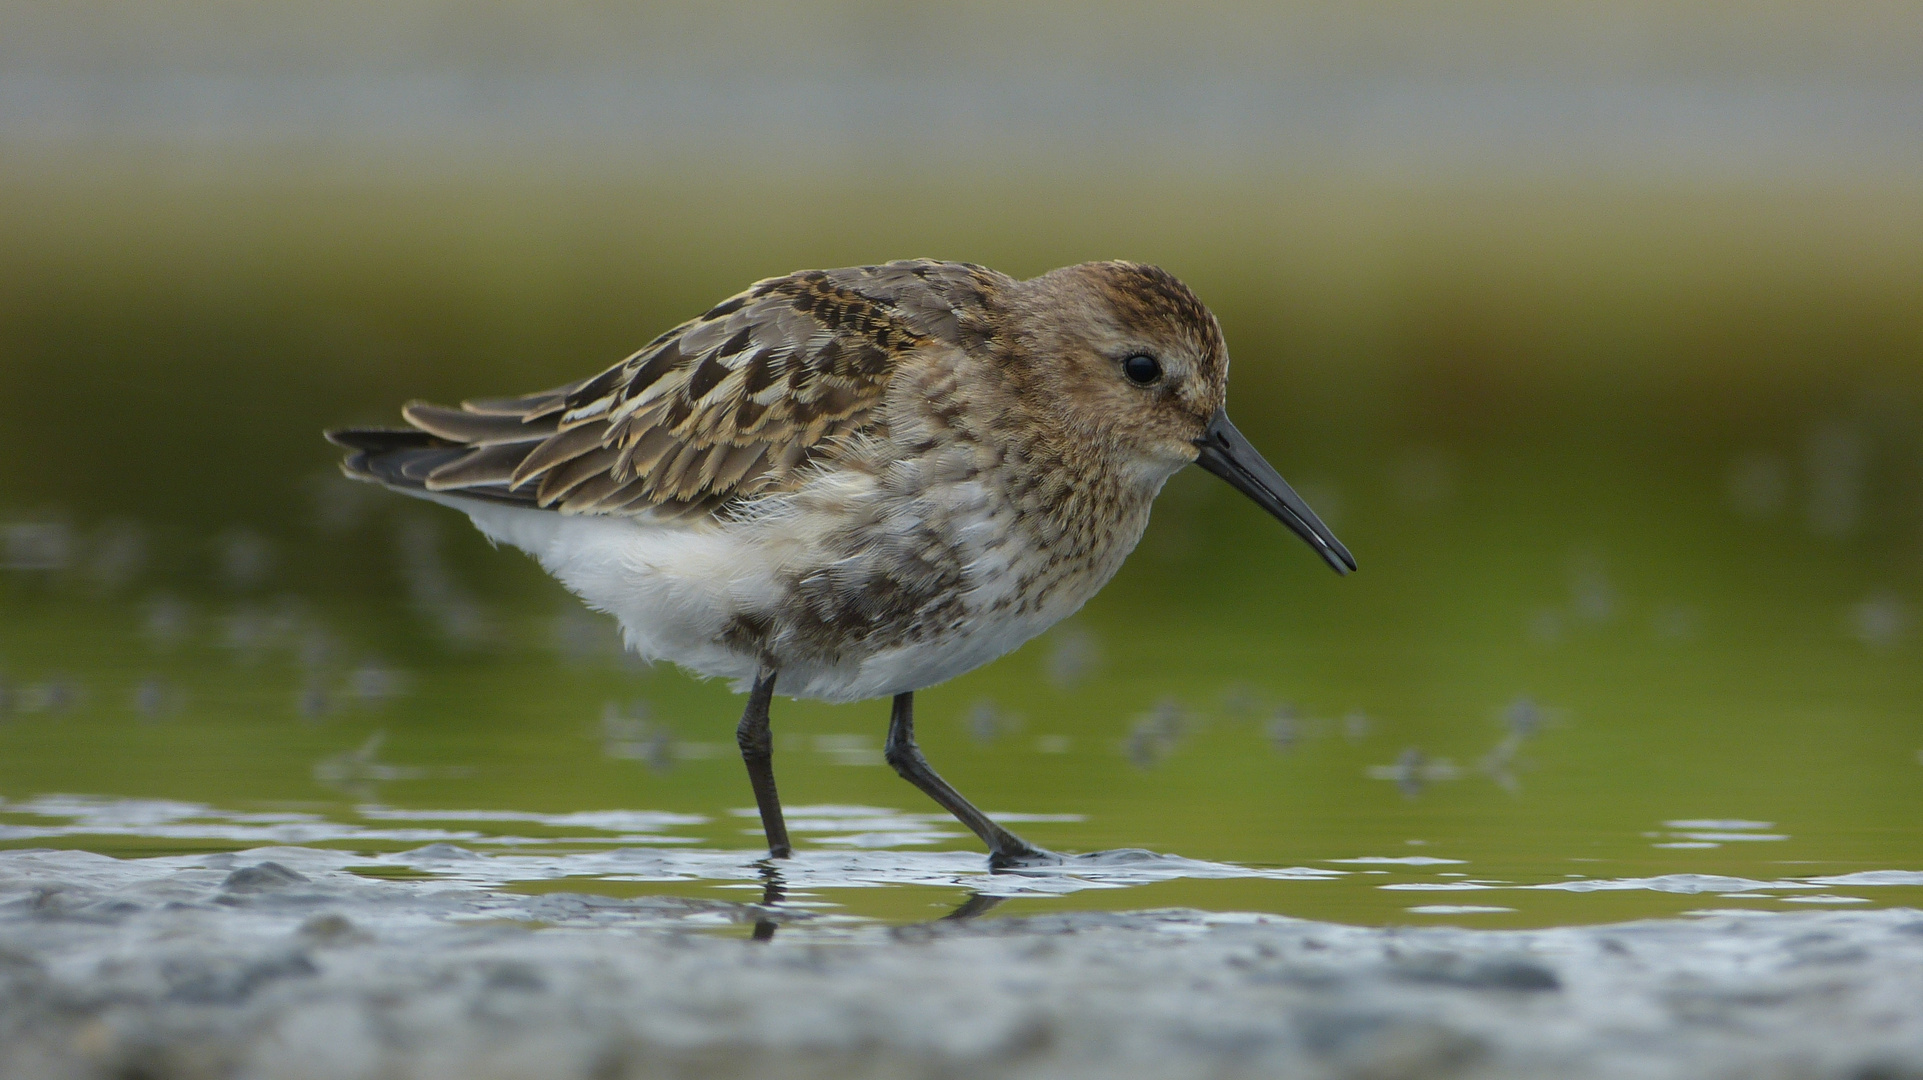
(725, 406)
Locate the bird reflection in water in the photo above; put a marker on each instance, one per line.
(774, 890)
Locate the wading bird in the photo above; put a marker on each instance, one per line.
(856, 483)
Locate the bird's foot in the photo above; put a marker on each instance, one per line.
(1023, 857)
(1039, 858)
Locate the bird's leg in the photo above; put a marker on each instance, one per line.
(1004, 847)
(757, 751)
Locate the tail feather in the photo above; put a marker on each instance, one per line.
(413, 460)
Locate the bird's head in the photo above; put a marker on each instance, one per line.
(1136, 366)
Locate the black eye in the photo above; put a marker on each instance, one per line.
(1142, 369)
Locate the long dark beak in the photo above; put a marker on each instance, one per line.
(1228, 455)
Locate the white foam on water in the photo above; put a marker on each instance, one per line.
(1871, 877)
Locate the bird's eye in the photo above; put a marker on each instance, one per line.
(1142, 369)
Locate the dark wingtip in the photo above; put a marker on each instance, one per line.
(370, 446)
(402, 458)
(374, 440)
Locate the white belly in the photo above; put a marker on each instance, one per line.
(677, 586)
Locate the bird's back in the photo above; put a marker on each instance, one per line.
(726, 407)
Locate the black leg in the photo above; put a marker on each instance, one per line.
(1004, 847)
(757, 750)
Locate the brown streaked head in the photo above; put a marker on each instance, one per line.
(1136, 366)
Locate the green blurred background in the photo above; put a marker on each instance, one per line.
(1596, 331)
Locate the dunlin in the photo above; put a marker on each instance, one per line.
(856, 483)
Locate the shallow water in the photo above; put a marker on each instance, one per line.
(1633, 634)
(533, 769)
(859, 864)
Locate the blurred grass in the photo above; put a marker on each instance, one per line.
(162, 307)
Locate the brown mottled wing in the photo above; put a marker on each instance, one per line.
(728, 405)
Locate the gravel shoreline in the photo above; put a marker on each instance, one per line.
(277, 964)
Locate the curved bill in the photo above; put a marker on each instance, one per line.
(1228, 455)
